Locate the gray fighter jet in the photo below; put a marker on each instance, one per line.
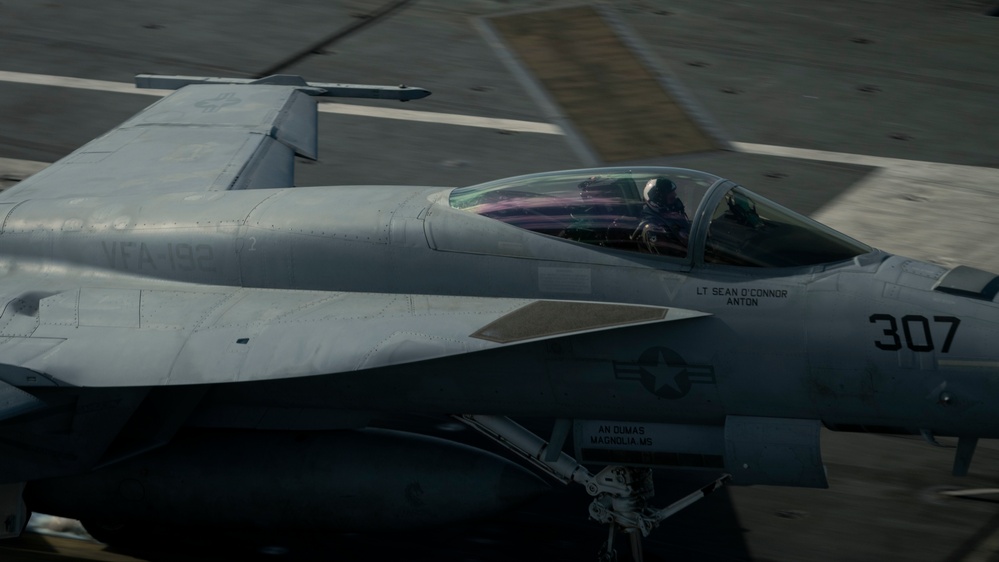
(187, 341)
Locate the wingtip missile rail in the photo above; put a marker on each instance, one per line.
(324, 89)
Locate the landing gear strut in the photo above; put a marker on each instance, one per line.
(620, 493)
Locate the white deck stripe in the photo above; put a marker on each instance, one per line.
(442, 118)
(78, 83)
(338, 108)
(823, 155)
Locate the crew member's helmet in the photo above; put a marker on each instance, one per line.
(657, 190)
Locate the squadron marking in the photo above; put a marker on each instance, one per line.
(139, 256)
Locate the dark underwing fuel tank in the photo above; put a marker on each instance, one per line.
(339, 481)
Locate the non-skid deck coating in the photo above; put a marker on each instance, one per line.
(616, 102)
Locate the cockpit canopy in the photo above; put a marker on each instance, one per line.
(671, 212)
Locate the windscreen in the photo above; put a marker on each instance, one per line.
(749, 230)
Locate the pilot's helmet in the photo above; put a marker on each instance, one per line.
(599, 187)
(657, 190)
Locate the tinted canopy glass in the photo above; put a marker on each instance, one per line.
(656, 210)
(606, 207)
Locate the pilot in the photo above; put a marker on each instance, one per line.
(602, 206)
(664, 227)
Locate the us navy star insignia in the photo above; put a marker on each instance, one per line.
(664, 373)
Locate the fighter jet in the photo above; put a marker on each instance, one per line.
(189, 341)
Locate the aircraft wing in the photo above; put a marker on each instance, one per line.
(204, 137)
(104, 337)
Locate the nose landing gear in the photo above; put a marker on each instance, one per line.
(620, 493)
